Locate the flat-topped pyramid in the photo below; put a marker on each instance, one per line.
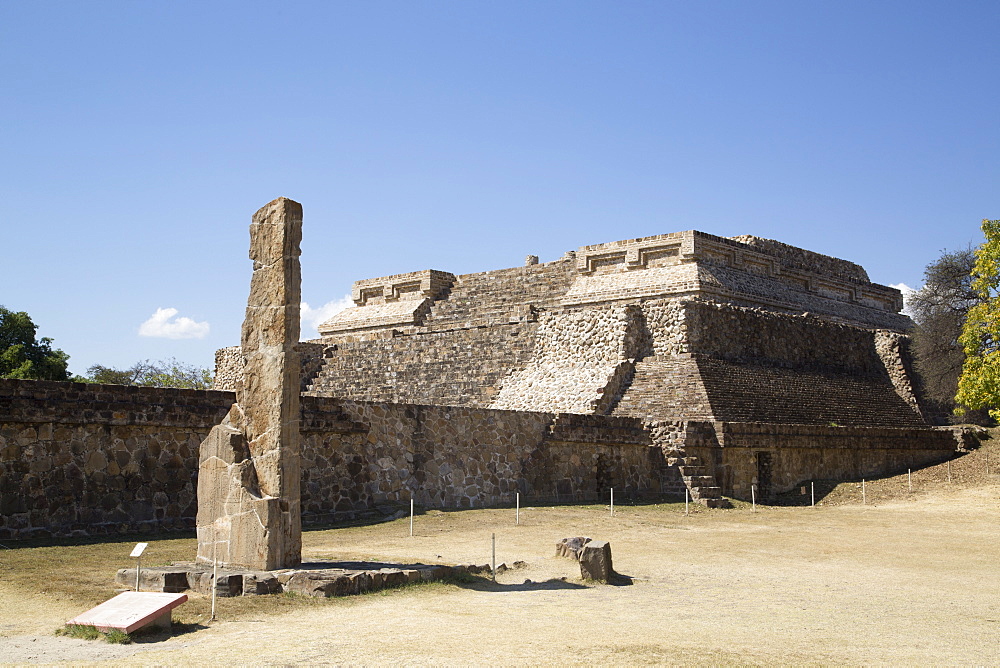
(685, 325)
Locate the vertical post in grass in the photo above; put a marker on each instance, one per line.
(215, 581)
(517, 509)
(411, 517)
(949, 471)
(686, 495)
(909, 480)
(753, 497)
(812, 487)
(494, 564)
(612, 502)
(864, 497)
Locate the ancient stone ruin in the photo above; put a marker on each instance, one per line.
(248, 480)
(679, 364)
(712, 343)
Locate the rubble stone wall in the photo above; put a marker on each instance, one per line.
(731, 332)
(577, 362)
(800, 453)
(96, 459)
(463, 457)
(460, 367)
(92, 459)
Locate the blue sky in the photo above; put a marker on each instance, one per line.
(138, 138)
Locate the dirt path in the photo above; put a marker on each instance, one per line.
(910, 582)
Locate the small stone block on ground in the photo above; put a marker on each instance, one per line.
(131, 610)
(595, 561)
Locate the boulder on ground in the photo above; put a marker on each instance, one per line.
(570, 547)
(595, 561)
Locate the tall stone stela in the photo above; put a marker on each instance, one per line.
(249, 472)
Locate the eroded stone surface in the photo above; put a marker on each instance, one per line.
(595, 561)
(319, 579)
(571, 547)
(249, 476)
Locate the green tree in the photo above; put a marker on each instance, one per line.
(24, 356)
(939, 309)
(979, 385)
(163, 373)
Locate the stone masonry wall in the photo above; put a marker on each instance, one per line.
(96, 459)
(460, 367)
(894, 351)
(724, 331)
(667, 327)
(577, 363)
(92, 459)
(799, 453)
(463, 457)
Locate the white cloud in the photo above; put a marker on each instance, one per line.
(907, 293)
(165, 325)
(311, 318)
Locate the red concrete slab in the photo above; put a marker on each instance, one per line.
(130, 610)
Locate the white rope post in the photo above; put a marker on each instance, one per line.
(949, 471)
(909, 480)
(494, 557)
(812, 487)
(411, 517)
(686, 494)
(864, 497)
(612, 502)
(753, 497)
(517, 511)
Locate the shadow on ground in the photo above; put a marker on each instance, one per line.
(151, 634)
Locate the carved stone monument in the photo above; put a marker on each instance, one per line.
(248, 479)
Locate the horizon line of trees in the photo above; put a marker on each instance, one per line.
(26, 357)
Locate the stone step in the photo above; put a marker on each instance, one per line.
(706, 493)
(699, 480)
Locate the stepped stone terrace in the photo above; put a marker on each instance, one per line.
(691, 336)
(677, 364)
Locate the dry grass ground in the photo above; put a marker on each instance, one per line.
(909, 578)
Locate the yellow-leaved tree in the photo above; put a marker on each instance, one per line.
(979, 385)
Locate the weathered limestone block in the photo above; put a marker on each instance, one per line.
(249, 474)
(595, 561)
(571, 547)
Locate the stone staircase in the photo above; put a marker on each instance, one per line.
(701, 485)
(665, 388)
(503, 295)
(456, 367)
(705, 388)
(749, 392)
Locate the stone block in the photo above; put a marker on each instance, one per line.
(570, 547)
(595, 561)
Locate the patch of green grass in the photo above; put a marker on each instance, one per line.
(114, 636)
(79, 631)
(117, 637)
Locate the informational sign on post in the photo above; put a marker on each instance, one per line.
(137, 555)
